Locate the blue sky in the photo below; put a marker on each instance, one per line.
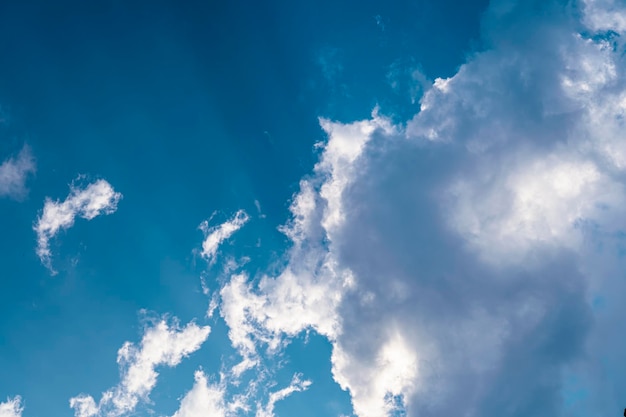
(312, 208)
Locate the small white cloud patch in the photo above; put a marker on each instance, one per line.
(94, 200)
(13, 174)
(12, 407)
(214, 236)
(296, 385)
(160, 345)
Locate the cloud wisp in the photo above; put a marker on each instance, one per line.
(161, 345)
(95, 199)
(297, 385)
(214, 236)
(14, 172)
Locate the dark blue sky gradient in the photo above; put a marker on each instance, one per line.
(185, 108)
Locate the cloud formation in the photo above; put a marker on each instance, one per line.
(14, 172)
(204, 399)
(455, 259)
(214, 236)
(296, 385)
(161, 345)
(93, 200)
(12, 407)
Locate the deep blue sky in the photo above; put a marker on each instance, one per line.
(186, 108)
(484, 228)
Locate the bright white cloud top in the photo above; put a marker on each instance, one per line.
(161, 345)
(95, 199)
(12, 407)
(14, 171)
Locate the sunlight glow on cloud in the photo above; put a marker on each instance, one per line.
(13, 174)
(161, 345)
(12, 407)
(95, 199)
(450, 260)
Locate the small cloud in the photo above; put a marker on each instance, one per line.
(379, 22)
(214, 236)
(94, 200)
(257, 204)
(13, 174)
(12, 407)
(161, 345)
(296, 385)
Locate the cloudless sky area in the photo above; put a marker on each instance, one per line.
(312, 208)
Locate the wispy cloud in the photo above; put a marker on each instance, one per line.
(297, 385)
(14, 172)
(214, 236)
(12, 407)
(95, 199)
(161, 345)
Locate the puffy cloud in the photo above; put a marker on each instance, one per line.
(454, 261)
(214, 236)
(308, 291)
(161, 345)
(13, 174)
(95, 199)
(12, 407)
(204, 399)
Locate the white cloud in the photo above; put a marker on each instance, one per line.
(296, 385)
(95, 199)
(452, 260)
(214, 236)
(161, 345)
(12, 407)
(13, 174)
(605, 15)
(204, 399)
(307, 292)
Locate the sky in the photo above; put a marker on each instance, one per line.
(368, 209)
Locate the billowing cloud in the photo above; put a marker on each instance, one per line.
(204, 399)
(161, 345)
(12, 407)
(14, 172)
(214, 236)
(95, 199)
(453, 261)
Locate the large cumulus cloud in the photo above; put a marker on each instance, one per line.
(469, 260)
